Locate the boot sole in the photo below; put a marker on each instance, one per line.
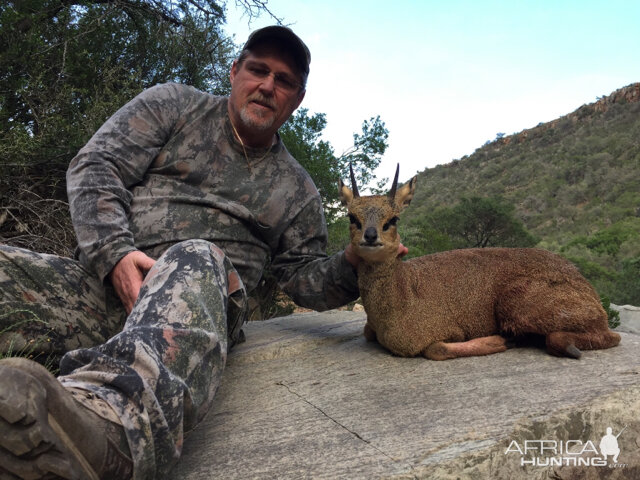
(33, 410)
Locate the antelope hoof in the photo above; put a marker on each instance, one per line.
(573, 351)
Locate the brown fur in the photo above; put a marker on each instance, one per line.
(465, 302)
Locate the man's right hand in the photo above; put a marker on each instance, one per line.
(127, 276)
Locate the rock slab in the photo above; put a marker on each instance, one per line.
(307, 397)
(629, 318)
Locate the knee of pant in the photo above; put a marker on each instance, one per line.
(198, 246)
(198, 253)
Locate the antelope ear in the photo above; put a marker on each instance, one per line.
(346, 195)
(405, 193)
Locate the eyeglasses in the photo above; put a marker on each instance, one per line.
(281, 81)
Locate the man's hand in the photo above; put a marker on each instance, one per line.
(351, 256)
(127, 276)
(354, 259)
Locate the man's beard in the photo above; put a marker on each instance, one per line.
(255, 120)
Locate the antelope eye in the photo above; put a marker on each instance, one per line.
(355, 221)
(391, 223)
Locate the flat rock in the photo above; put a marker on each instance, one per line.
(629, 318)
(307, 397)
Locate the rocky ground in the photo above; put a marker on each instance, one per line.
(307, 397)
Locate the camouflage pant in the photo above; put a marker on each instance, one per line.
(158, 368)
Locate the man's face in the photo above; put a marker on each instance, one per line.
(259, 104)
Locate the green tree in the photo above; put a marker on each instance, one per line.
(609, 259)
(302, 136)
(365, 154)
(422, 238)
(608, 240)
(628, 283)
(482, 222)
(65, 67)
(62, 60)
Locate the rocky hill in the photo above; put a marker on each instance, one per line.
(625, 95)
(575, 183)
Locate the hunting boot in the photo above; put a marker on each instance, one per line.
(48, 431)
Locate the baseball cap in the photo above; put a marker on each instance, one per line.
(299, 50)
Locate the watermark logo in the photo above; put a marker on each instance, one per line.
(576, 453)
(609, 445)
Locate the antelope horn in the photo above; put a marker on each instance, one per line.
(394, 186)
(354, 187)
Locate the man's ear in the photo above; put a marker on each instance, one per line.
(234, 70)
(300, 97)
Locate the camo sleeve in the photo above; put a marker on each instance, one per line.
(99, 177)
(310, 277)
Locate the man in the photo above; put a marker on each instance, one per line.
(609, 445)
(178, 202)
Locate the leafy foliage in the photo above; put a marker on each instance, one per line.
(612, 315)
(338, 235)
(482, 222)
(302, 136)
(365, 154)
(86, 57)
(65, 67)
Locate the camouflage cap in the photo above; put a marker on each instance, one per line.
(299, 50)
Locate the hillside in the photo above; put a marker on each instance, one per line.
(575, 183)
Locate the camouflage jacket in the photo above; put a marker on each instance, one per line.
(166, 167)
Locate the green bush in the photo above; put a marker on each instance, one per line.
(627, 286)
(613, 315)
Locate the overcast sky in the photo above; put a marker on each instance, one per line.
(446, 76)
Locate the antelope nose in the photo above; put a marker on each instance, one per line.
(370, 235)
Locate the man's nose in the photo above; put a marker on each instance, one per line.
(268, 83)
